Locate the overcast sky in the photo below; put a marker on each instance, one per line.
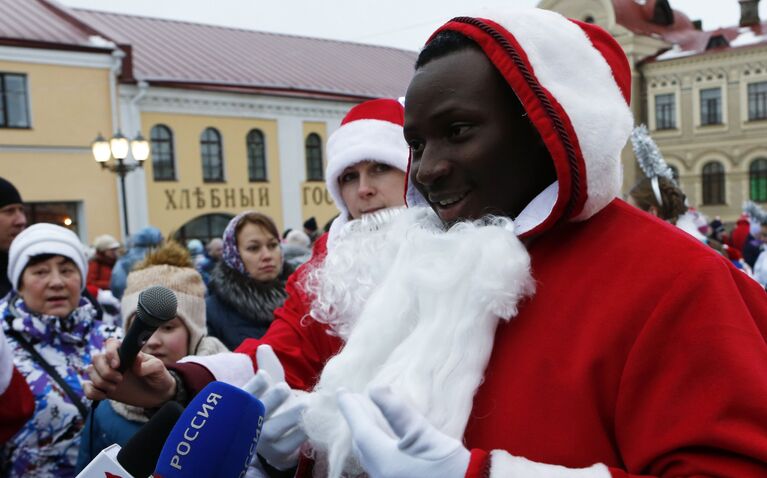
(398, 23)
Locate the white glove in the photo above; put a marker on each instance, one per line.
(414, 449)
(281, 435)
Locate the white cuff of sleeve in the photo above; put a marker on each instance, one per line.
(504, 465)
(228, 367)
(6, 363)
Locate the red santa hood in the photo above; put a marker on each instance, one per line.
(574, 81)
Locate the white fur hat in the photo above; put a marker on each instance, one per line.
(44, 238)
(371, 131)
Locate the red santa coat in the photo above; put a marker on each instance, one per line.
(16, 405)
(641, 349)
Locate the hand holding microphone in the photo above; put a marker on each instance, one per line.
(124, 373)
(156, 306)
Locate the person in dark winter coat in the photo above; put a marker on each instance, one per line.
(140, 245)
(12, 222)
(249, 282)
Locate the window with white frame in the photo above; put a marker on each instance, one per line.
(757, 101)
(711, 106)
(14, 101)
(256, 148)
(163, 164)
(212, 156)
(713, 183)
(757, 180)
(665, 116)
(314, 169)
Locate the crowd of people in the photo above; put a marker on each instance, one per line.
(484, 304)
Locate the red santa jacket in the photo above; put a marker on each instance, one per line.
(16, 405)
(641, 351)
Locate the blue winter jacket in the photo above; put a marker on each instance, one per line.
(139, 246)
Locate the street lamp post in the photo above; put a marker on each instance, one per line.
(118, 148)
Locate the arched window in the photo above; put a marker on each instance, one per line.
(713, 183)
(163, 162)
(204, 228)
(314, 170)
(757, 180)
(256, 155)
(212, 157)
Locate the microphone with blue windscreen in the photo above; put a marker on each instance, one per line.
(216, 435)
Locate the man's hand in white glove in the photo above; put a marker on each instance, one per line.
(414, 449)
(281, 436)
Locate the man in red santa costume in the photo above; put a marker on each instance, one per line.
(602, 343)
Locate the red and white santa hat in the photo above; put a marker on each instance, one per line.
(371, 131)
(574, 82)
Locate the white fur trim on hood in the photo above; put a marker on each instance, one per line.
(504, 465)
(579, 97)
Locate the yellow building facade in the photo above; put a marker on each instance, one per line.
(228, 134)
(702, 94)
(67, 95)
(182, 126)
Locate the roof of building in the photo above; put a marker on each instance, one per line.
(182, 52)
(42, 24)
(687, 40)
(192, 55)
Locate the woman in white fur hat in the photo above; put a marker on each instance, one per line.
(52, 333)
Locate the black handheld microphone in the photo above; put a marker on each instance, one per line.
(156, 305)
(139, 455)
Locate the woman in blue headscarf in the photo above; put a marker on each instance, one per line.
(249, 282)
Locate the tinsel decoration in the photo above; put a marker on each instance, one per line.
(755, 212)
(648, 155)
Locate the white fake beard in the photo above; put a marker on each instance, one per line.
(354, 266)
(427, 331)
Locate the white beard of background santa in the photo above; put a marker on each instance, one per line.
(425, 326)
(351, 270)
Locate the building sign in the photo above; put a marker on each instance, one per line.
(316, 196)
(216, 198)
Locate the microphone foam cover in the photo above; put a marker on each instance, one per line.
(156, 305)
(215, 437)
(139, 455)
